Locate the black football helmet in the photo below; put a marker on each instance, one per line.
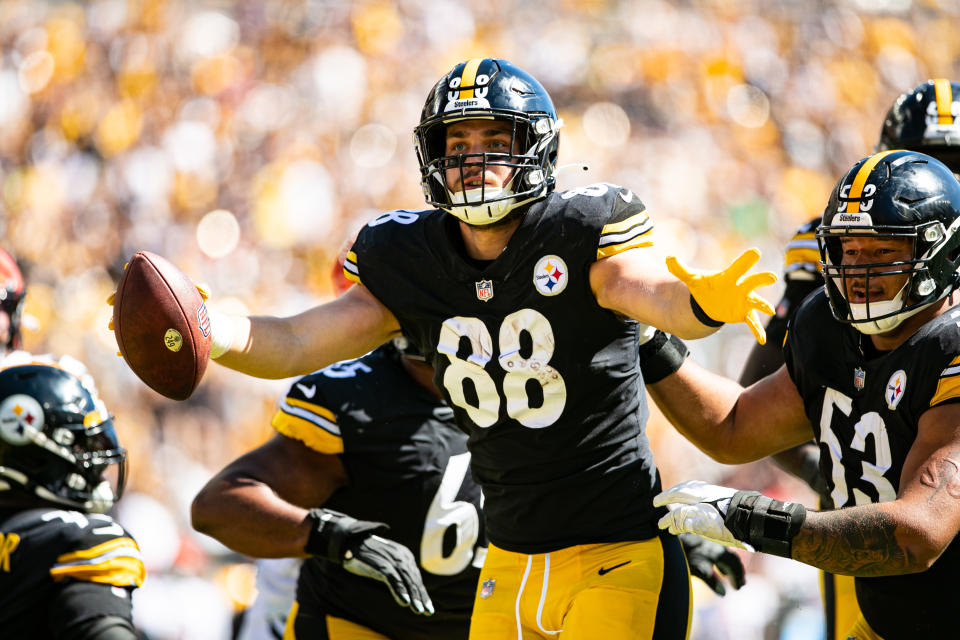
(12, 292)
(893, 194)
(57, 442)
(926, 119)
(487, 88)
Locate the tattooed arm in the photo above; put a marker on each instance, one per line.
(903, 536)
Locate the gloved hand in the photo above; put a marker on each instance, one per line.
(729, 295)
(391, 563)
(704, 556)
(698, 507)
(353, 544)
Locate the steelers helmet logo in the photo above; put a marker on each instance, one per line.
(550, 276)
(20, 417)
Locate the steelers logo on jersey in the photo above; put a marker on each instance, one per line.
(550, 275)
(20, 416)
(895, 388)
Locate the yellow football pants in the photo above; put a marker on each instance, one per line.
(613, 591)
(839, 603)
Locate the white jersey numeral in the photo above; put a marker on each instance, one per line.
(519, 370)
(445, 512)
(871, 424)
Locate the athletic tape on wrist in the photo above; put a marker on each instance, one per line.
(701, 315)
(221, 333)
(764, 523)
(660, 356)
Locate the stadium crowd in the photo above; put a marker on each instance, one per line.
(244, 141)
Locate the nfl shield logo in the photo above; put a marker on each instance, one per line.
(203, 320)
(486, 588)
(858, 378)
(484, 290)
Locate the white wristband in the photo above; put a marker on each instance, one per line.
(221, 334)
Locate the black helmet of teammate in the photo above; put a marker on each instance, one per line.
(893, 194)
(925, 119)
(12, 292)
(57, 443)
(487, 88)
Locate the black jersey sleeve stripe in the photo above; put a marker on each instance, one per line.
(639, 229)
(350, 269)
(640, 219)
(635, 231)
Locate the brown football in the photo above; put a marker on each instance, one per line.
(161, 325)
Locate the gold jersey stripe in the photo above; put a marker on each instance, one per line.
(119, 572)
(785, 334)
(98, 550)
(802, 256)
(469, 77)
(643, 240)
(623, 225)
(350, 269)
(948, 386)
(944, 100)
(308, 433)
(856, 190)
(313, 408)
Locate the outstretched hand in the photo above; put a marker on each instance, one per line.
(729, 295)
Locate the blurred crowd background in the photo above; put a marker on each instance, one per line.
(245, 140)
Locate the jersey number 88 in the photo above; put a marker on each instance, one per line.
(519, 369)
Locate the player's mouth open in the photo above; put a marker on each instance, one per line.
(860, 295)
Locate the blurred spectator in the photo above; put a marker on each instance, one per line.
(242, 140)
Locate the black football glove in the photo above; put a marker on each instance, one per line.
(704, 556)
(353, 544)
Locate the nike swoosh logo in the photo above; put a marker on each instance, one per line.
(602, 571)
(626, 195)
(308, 391)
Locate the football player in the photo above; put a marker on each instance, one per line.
(66, 569)
(528, 304)
(922, 119)
(371, 438)
(351, 434)
(870, 373)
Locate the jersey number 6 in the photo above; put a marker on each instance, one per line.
(520, 370)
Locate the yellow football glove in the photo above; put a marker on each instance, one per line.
(729, 295)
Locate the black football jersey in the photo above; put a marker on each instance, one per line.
(408, 465)
(544, 380)
(864, 413)
(61, 568)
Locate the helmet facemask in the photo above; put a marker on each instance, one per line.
(934, 249)
(531, 160)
